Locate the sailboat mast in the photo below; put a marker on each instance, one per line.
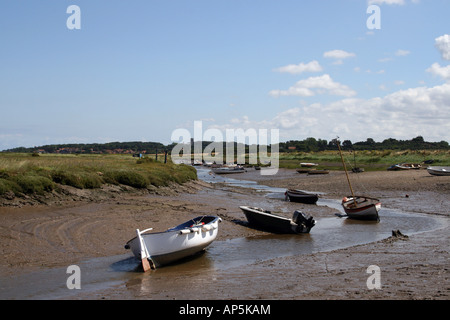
(345, 169)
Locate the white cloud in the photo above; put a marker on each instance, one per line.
(312, 66)
(437, 70)
(389, 2)
(403, 114)
(315, 85)
(443, 45)
(402, 53)
(338, 55)
(385, 59)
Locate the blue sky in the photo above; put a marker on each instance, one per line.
(138, 70)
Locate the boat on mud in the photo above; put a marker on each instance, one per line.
(404, 166)
(301, 196)
(361, 208)
(228, 170)
(308, 164)
(439, 171)
(161, 248)
(266, 220)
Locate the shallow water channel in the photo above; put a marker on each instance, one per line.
(120, 273)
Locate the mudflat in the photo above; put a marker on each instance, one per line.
(61, 231)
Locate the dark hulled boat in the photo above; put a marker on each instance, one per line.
(301, 196)
(300, 222)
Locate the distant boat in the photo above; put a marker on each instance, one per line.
(301, 196)
(300, 222)
(208, 163)
(162, 248)
(439, 171)
(359, 207)
(227, 170)
(404, 166)
(308, 164)
(303, 170)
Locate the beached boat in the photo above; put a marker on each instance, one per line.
(228, 170)
(404, 166)
(301, 196)
(162, 248)
(308, 164)
(439, 171)
(300, 222)
(359, 207)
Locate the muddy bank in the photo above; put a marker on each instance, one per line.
(40, 238)
(64, 195)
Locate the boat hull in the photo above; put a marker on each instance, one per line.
(439, 171)
(365, 208)
(176, 243)
(302, 197)
(274, 223)
(405, 166)
(227, 170)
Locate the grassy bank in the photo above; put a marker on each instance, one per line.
(369, 160)
(27, 174)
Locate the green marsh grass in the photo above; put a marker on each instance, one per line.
(27, 174)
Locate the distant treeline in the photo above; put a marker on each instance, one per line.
(110, 147)
(311, 144)
(306, 145)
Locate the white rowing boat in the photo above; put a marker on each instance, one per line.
(439, 171)
(228, 170)
(162, 248)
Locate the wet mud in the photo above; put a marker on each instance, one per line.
(40, 242)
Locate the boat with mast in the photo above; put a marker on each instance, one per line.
(359, 207)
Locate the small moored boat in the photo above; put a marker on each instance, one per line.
(361, 208)
(404, 166)
(439, 171)
(300, 222)
(227, 170)
(162, 248)
(308, 164)
(301, 196)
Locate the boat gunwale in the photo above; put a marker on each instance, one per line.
(177, 229)
(265, 213)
